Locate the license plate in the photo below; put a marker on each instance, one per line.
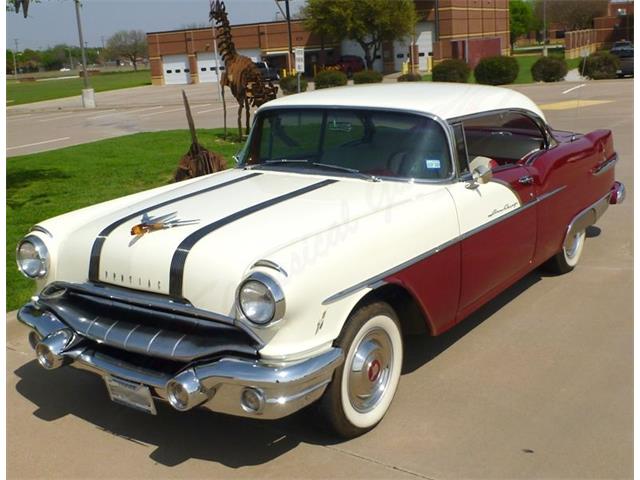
(131, 394)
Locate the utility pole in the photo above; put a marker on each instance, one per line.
(15, 62)
(286, 6)
(544, 28)
(88, 97)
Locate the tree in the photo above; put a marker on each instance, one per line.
(368, 22)
(130, 44)
(521, 18)
(572, 14)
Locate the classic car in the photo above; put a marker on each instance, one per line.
(355, 216)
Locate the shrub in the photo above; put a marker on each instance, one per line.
(367, 76)
(452, 70)
(330, 78)
(497, 70)
(599, 66)
(549, 69)
(410, 77)
(289, 85)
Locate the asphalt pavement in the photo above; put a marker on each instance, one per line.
(536, 384)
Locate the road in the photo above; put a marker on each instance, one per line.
(537, 384)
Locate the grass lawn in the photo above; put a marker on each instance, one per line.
(43, 185)
(27, 92)
(525, 63)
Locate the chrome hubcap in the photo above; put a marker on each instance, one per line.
(370, 370)
(572, 245)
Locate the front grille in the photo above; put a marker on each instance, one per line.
(106, 317)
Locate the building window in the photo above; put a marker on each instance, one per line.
(203, 69)
(400, 55)
(169, 71)
(177, 70)
(186, 70)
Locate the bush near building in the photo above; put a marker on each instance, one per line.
(410, 77)
(549, 69)
(330, 78)
(498, 70)
(367, 76)
(600, 66)
(289, 84)
(452, 70)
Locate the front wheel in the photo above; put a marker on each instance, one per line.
(364, 386)
(567, 258)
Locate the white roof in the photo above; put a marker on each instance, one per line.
(445, 100)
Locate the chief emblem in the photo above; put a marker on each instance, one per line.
(161, 222)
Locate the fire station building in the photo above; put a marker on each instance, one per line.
(466, 29)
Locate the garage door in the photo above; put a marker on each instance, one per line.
(176, 69)
(207, 67)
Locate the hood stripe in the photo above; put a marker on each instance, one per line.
(180, 255)
(96, 250)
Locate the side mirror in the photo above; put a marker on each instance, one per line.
(236, 158)
(480, 175)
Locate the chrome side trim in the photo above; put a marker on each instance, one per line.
(606, 165)
(371, 282)
(38, 228)
(269, 264)
(587, 217)
(176, 274)
(96, 249)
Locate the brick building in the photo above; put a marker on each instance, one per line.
(466, 29)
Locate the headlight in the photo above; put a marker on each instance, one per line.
(32, 257)
(261, 299)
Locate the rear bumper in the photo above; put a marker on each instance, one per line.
(219, 385)
(618, 193)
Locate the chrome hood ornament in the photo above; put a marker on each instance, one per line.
(161, 222)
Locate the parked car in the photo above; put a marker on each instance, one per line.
(267, 72)
(349, 64)
(625, 54)
(622, 44)
(356, 215)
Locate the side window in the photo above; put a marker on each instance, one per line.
(502, 138)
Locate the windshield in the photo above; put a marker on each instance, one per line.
(370, 142)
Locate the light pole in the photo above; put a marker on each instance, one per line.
(544, 28)
(15, 62)
(287, 15)
(88, 96)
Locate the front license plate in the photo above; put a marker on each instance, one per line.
(131, 394)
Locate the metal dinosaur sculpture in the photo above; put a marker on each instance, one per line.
(240, 74)
(198, 160)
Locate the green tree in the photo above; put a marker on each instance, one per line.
(129, 44)
(571, 14)
(521, 18)
(368, 22)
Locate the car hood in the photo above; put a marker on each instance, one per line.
(223, 224)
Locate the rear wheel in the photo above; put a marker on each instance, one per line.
(364, 386)
(567, 258)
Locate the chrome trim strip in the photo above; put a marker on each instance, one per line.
(371, 282)
(176, 274)
(38, 228)
(96, 249)
(606, 165)
(269, 264)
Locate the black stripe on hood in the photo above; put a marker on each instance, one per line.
(181, 253)
(96, 250)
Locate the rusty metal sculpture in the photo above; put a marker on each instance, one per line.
(24, 4)
(240, 74)
(198, 160)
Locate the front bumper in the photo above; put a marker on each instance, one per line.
(219, 385)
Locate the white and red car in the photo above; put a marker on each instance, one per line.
(355, 215)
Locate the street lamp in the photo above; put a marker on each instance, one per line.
(287, 14)
(88, 94)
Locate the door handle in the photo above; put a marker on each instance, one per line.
(526, 180)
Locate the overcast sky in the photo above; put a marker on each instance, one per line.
(53, 21)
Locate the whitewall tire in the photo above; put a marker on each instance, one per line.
(567, 258)
(364, 386)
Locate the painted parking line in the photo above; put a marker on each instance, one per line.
(574, 88)
(160, 113)
(61, 139)
(571, 104)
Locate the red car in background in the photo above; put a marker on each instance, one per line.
(349, 64)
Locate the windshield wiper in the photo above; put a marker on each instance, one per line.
(326, 166)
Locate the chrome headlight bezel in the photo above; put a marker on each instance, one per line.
(42, 253)
(275, 293)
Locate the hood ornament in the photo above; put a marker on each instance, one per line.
(161, 222)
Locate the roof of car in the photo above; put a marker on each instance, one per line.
(445, 100)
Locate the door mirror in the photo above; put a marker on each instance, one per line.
(480, 175)
(236, 158)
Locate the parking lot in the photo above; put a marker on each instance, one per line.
(536, 384)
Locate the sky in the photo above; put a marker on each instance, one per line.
(53, 21)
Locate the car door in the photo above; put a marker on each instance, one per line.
(497, 219)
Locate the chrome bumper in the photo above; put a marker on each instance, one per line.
(618, 193)
(236, 386)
